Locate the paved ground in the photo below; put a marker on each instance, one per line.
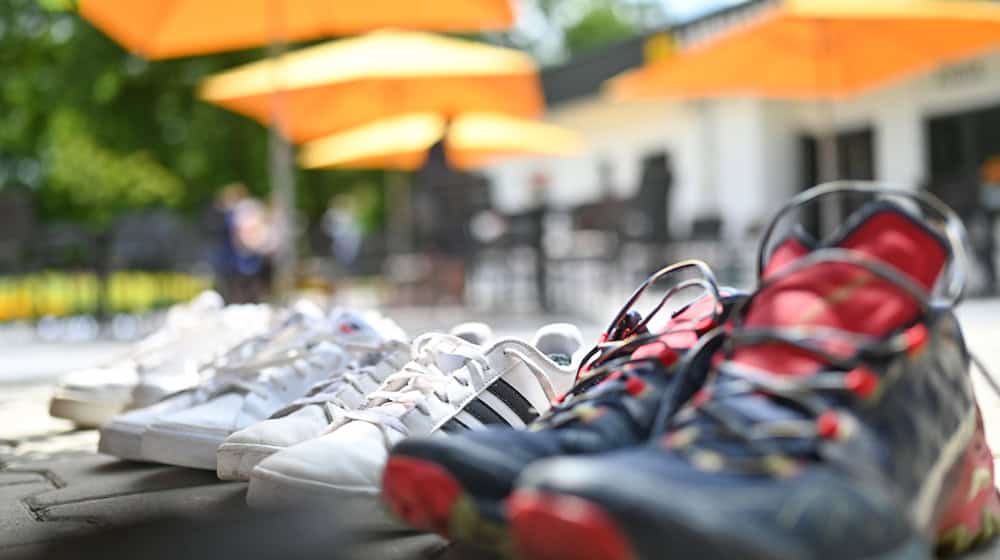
(53, 484)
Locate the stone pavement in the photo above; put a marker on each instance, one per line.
(54, 485)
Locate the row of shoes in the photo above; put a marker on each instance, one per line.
(828, 413)
(307, 407)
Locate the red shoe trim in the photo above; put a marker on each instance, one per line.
(974, 498)
(420, 493)
(551, 527)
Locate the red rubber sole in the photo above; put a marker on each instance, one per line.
(420, 493)
(553, 527)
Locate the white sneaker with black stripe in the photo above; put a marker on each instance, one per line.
(449, 386)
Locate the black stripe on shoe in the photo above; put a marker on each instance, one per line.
(514, 400)
(482, 412)
(454, 426)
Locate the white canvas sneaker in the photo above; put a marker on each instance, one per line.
(191, 437)
(121, 437)
(324, 404)
(450, 385)
(162, 363)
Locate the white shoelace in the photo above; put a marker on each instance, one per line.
(260, 381)
(414, 383)
(259, 375)
(327, 393)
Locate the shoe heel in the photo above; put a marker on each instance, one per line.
(420, 493)
(553, 527)
(973, 513)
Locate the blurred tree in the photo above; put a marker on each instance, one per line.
(94, 131)
(555, 30)
(598, 27)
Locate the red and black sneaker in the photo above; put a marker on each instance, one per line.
(837, 421)
(457, 485)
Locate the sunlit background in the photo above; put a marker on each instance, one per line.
(442, 161)
(117, 171)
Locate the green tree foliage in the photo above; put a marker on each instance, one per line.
(555, 30)
(76, 162)
(598, 27)
(93, 130)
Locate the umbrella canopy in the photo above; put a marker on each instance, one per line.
(350, 82)
(471, 140)
(816, 49)
(170, 28)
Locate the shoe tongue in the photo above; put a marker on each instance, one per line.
(798, 244)
(449, 352)
(304, 310)
(683, 329)
(205, 302)
(209, 300)
(473, 332)
(558, 341)
(845, 296)
(354, 325)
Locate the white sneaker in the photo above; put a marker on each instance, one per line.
(191, 437)
(451, 385)
(162, 363)
(324, 404)
(121, 437)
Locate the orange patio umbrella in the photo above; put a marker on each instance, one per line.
(821, 49)
(170, 28)
(350, 82)
(471, 140)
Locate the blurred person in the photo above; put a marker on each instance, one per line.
(341, 225)
(253, 224)
(222, 224)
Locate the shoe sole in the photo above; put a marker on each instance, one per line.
(427, 497)
(83, 413)
(356, 509)
(235, 461)
(121, 441)
(181, 449)
(548, 526)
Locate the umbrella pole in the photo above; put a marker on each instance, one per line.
(397, 213)
(827, 158)
(282, 174)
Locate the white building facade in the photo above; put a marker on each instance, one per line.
(740, 158)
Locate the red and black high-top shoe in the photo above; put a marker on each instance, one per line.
(837, 421)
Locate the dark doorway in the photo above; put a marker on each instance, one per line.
(650, 207)
(855, 161)
(960, 145)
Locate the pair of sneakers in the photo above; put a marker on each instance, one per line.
(451, 384)
(249, 383)
(831, 416)
(162, 363)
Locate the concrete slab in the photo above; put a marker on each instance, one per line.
(19, 525)
(115, 510)
(99, 476)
